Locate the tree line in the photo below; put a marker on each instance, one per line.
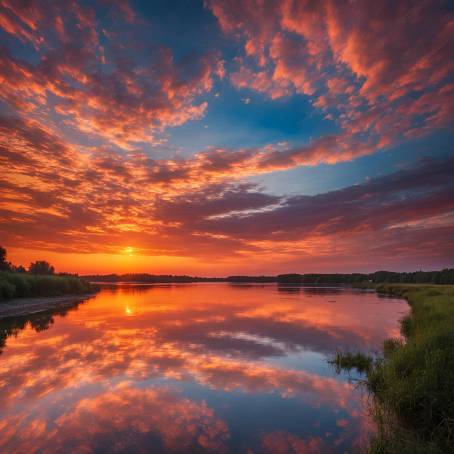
(172, 278)
(445, 276)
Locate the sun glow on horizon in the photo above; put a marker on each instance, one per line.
(129, 251)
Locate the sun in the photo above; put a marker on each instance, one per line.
(128, 251)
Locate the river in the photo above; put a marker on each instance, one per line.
(208, 367)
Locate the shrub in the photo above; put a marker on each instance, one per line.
(7, 289)
(16, 285)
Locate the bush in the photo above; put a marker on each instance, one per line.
(16, 285)
(7, 289)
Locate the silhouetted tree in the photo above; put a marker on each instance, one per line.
(18, 269)
(4, 264)
(41, 267)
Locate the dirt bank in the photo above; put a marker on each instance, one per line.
(18, 307)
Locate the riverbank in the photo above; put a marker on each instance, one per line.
(22, 307)
(412, 383)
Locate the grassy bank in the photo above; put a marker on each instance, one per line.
(20, 285)
(413, 382)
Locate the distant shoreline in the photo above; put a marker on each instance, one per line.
(445, 276)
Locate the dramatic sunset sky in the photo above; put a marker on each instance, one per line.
(226, 137)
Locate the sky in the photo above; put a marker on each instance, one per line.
(227, 137)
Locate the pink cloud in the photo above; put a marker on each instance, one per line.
(177, 422)
(100, 90)
(362, 65)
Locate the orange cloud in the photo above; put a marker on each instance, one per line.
(58, 197)
(97, 89)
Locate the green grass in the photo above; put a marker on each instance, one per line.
(413, 382)
(16, 285)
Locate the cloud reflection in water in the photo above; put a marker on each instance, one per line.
(183, 367)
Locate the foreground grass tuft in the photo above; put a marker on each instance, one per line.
(19, 285)
(413, 383)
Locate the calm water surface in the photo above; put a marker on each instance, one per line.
(191, 368)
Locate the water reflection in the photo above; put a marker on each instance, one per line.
(124, 419)
(39, 322)
(310, 289)
(192, 368)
